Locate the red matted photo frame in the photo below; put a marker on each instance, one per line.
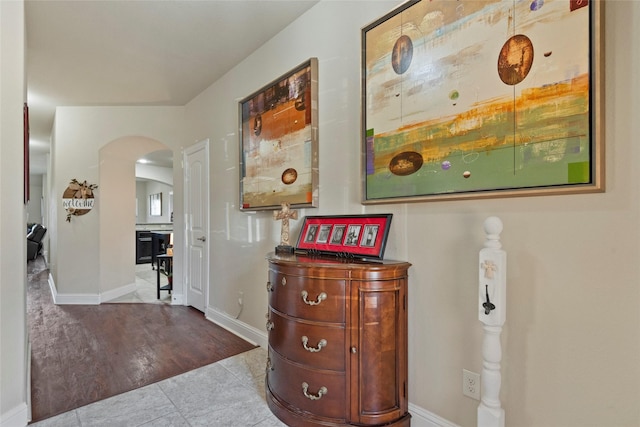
(348, 236)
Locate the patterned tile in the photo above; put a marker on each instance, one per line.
(68, 419)
(228, 393)
(134, 408)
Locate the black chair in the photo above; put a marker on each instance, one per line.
(34, 241)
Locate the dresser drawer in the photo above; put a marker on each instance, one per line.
(325, 344)
(307, 298)
(325, 390)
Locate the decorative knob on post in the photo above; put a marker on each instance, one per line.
(492, 228)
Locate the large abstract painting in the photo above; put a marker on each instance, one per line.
(466, 99)
(279, 142)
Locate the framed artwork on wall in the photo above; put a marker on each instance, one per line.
(347, 236)
(155, 204)
(483, 99)
(279, 142)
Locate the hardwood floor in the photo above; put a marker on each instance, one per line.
(85, 353)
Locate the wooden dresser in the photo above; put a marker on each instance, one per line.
(337, 342)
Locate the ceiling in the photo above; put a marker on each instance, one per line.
(135, 52)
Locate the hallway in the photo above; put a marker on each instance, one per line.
(82, 354)
(146, 288)
(227, 393)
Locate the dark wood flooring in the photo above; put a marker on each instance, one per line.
(84, 353)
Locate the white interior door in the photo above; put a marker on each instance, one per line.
(196, 188)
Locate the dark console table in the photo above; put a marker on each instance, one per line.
(165, 266)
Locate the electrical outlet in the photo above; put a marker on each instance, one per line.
(471, 384)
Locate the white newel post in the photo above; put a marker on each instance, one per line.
(492, 310)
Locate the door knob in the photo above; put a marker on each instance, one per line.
(202, 239)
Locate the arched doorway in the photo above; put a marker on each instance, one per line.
(117, 210)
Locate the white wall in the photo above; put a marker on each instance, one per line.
(572, 337)
(154, 187)
(13, 275)
(152, 180)
(117, 208)
(154, 173)
(34, 207)
(93, 243)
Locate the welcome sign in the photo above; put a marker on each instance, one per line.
(78, 198)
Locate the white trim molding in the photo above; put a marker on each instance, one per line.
(241, 329)
(16, 417)
(117, 293)
(177, 299)
(69, 299)
(420, 417)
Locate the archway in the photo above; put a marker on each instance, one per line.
(117, 212)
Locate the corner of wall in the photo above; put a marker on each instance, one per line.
(16, 417)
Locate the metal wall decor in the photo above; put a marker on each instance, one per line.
(78, 198)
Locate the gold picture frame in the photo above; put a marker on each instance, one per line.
(454, 107)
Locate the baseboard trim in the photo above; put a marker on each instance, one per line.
(235, 326)
(117, 293)
(16, 417)
(29, 408)
(52, 287)
(70, 299)
(77, 299)
(177, 299)
(420, 417)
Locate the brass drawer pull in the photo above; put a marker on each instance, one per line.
(321, 343)
(269, 365)
(269, 287)
(269, 325)
(323, 390)
(321, 297)
(284, 281)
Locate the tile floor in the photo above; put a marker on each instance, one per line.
(227, 393)
(146, 280)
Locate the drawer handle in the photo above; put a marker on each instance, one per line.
(323, 390)
(321, 343)
(269, 365)
(284, 281)
(269, 287)
(269, 325)
(321, 297)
